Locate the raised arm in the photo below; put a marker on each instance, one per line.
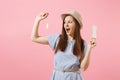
(35, 37)
(86, 60)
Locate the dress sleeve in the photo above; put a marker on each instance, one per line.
(52, 40)
(85, 47)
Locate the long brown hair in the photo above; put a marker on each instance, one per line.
(79, 42)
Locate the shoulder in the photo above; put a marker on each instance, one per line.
(53, 36)
(84, 42)
(53, 40)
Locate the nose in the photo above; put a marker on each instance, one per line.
(66, 25)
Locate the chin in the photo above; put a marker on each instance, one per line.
(68, 34)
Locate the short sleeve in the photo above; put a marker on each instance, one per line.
(85, 47)
(52, 40)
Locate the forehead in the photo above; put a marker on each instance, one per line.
(69, 18)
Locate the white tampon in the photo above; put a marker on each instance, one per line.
(47, 26)
(94, 31)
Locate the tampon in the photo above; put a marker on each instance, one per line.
(47, 26)
(94, 31)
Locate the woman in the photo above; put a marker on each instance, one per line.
(72, 53)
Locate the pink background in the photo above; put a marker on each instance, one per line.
(22, 59)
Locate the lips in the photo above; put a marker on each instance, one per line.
(67, 30)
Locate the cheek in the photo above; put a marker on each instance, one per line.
(64, 26)
(73, 28)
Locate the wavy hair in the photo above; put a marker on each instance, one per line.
(78, 48)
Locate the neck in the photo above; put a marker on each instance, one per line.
(70, 38)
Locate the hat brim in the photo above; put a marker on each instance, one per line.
(64, 15)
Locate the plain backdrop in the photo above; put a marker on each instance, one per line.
(22, 59)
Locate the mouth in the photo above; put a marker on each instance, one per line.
(67, 30)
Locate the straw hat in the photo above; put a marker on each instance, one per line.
(75, 14)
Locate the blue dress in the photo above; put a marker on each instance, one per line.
(65, 60)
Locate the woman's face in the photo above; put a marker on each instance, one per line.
(69, 25)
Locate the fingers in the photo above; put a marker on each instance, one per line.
(43, 14)
(93, 42)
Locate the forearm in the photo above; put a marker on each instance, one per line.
(34, 33)
(85, 62)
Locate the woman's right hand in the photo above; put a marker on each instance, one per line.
(41, 16)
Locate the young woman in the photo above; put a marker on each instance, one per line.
(72, 53)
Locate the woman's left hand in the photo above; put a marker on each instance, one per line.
(92, 43)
